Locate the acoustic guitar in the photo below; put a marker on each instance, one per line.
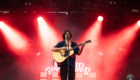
(61, 56)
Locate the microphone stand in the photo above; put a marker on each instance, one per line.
(68, 61)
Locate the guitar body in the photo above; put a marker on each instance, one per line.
(58, 55)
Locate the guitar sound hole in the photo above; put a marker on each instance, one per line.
(66, 53)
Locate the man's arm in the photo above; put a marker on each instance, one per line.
(58, 49)
(80, 51)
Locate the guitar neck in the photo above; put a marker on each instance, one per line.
(80, 45)
(75, 47)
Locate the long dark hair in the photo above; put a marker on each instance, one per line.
(63, 35)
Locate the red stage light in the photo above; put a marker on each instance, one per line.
(138, 22)
(100, 18)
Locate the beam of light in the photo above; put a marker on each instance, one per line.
(116, 47)
(47, 34)
(15, 39)
(100, 18)
(90, 49)
(138, 22)
(93, 32)
(1, 24)
(48, 38)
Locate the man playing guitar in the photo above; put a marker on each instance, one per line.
(63, 46)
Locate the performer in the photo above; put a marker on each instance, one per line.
(62, 46)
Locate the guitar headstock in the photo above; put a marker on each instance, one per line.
(88, 41)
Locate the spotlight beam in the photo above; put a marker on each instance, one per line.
(47, 35)
(15, 39)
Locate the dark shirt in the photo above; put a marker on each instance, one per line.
(72, 59)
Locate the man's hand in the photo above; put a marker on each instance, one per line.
(63, 48)
(83, 43)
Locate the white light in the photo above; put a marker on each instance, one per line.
(100, 53)
(135, 10)
(1, 23)
(40, 19)
(64, 12)
(38, 53)
(5, 12)
(100, 18)
(138, 22)
(26, 3)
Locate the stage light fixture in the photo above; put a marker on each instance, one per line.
(100, 18)
(138, 22)
(40, 19)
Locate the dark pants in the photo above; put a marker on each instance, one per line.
(64, 72)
